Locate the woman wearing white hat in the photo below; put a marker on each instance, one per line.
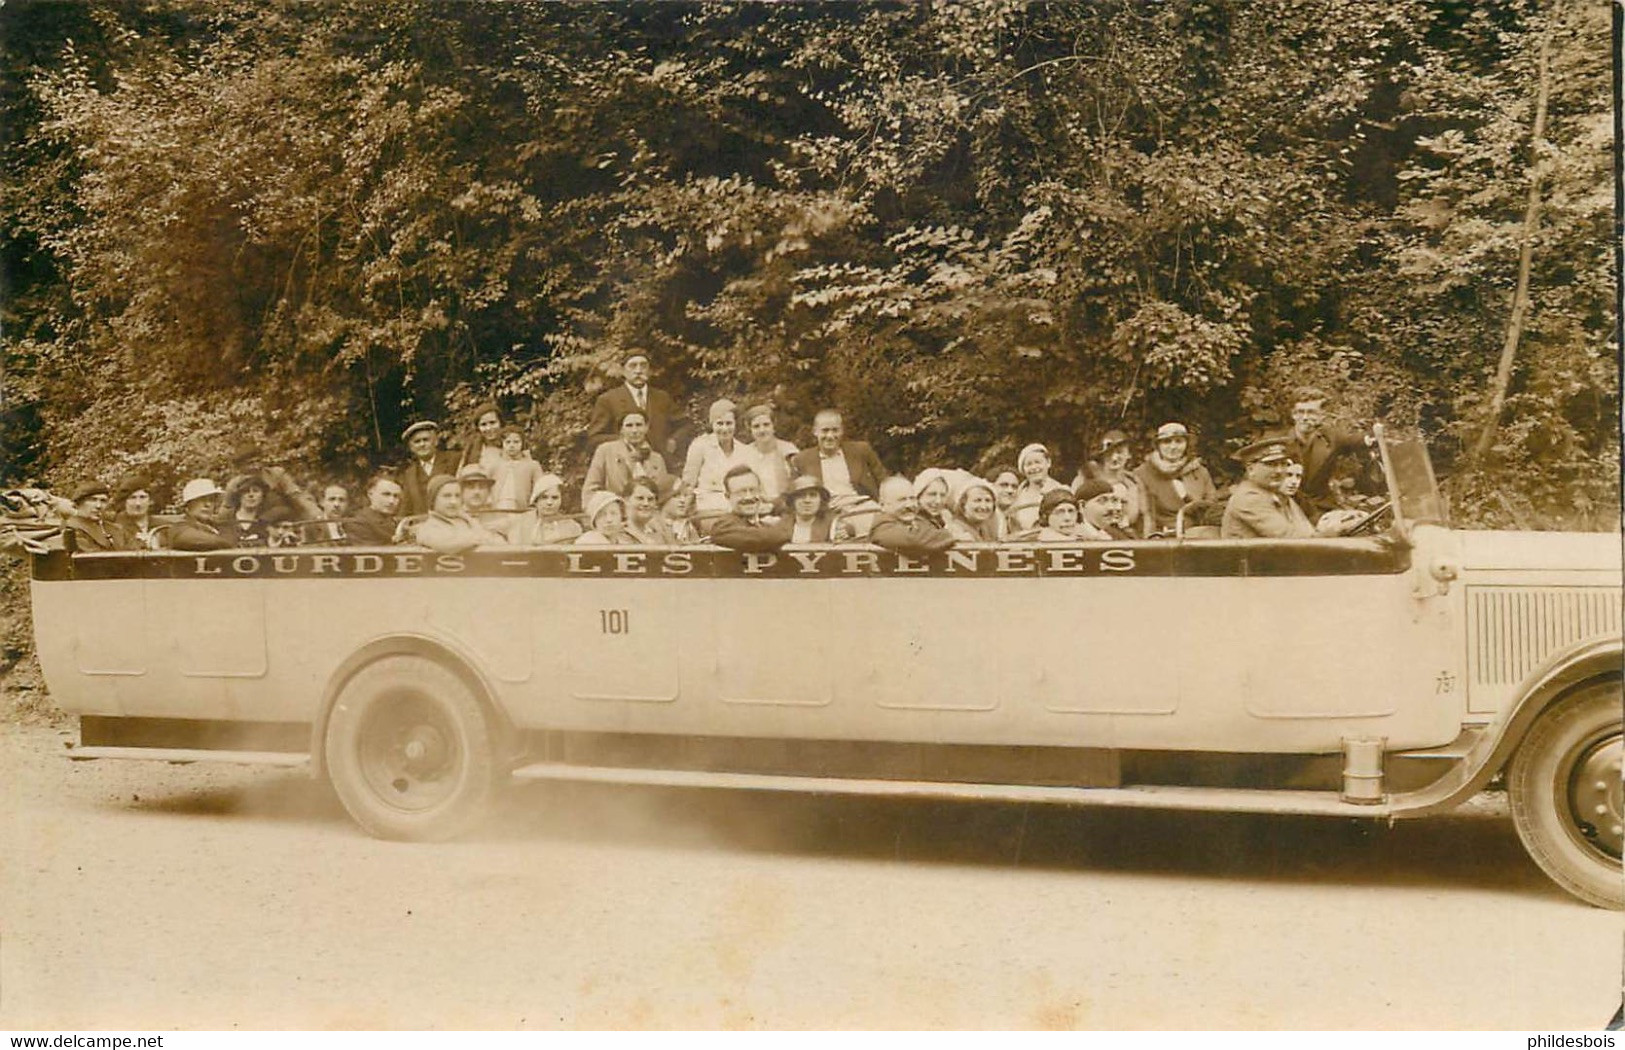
(1172, 478)
(975, 516)
(1034, 464)
(547, 523)
(199, 500)
(606, 521)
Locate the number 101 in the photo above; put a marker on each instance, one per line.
(613, 621)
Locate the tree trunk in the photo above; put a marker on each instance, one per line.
(1531, 222)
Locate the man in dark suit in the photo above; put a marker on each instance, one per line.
(423, 439)
(635, 395)
(849, 470)
(1319, 446)
(374, 525)
(750, 525)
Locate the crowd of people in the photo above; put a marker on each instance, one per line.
(740, 486)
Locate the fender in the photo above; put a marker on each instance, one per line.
(443, 651)
(1582, 662)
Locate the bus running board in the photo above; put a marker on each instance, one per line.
(182, 755)
(1150, 796)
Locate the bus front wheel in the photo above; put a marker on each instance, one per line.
(409, 750)
(1565, 791)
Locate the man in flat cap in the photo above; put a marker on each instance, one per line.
(423, 440)
(634, 395)
(89, 530)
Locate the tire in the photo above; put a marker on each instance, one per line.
(410, 751)
(1566, 768)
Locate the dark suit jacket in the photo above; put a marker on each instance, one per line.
(1319, 455)
(415, 485)
(861, 462)
(742, 534)
(616, 402)
(370, 528)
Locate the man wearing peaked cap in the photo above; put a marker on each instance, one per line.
(423, 440)
(1256, 509)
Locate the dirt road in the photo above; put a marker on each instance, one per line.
(138, 895)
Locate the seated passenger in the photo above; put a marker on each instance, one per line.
(1256, 509)
(809, 515)
(548, 524)
(1100, 511)
(482, 442)
(280, 490)
(513, 479)
(1113, 468)
(1171, 478)
(1006, 483)
(900, 527)
(447, 528)
(931, 496)
(89, 531)
(975, 516)
(1058, 518)
(245, 506)
(374, 525)
(849, 470)
(335, 502)
(1034, 464)
(134, 528)
(606, 521)
(773, 453)
(280, 530)
(677, 510)
(476, 489)
(1333, 522)
(643, 521)
(616, 463)
(200, 501)
(750, 525)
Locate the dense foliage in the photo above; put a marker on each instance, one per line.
(973, 225)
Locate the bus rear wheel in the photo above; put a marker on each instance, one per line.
(410, 752)
(1565, 790)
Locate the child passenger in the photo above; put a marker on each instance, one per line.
(514, 478)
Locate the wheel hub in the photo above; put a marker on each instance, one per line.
(1595, 795)
(410, 755)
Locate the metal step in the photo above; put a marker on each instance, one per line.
(182, 755)
(1228, 800)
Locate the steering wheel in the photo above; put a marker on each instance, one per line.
(1369, 524)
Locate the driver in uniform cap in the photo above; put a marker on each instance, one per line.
(1256, 509)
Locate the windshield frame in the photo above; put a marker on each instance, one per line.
(1413, 489)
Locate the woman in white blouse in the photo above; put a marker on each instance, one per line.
(711, 456)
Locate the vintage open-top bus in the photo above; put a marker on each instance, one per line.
(1389, 674)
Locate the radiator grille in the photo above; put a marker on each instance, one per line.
(1511, 630)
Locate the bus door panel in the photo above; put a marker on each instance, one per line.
(923, 645)
(1102, 646)
(771, 644)
(110, 633)
(218, 628)
(618, 640)
(496, 623)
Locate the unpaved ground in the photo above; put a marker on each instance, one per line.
(139, 895)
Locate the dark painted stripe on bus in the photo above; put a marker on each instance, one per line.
(1148, 558)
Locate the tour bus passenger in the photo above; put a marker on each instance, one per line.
(482, 443)
(975, 517)
(772, 462)
(245, 506)
(1058, 518)
(750, 524)
(1100, 512)
(1292, 484)
(1333, 522)
(280, 530)
(1113, 466)
(1171, 478)
(427, 463)
(1319, 446)
(635, 395)
(643, 521)
(476, 487)
(712, 456)
(280, 489)
(513, 479)
(134, 528)
(1256, 508)
(849, 470)
(200, 502)
(808, 511)
(447, 528)
(548, 524)
(900, 527)
(606, 521)
(1034, 464)
(616, 463)
(1006, 483)
(374, 525)
(677, 510)
(89, 531)
(931, 496)
(335, 502)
